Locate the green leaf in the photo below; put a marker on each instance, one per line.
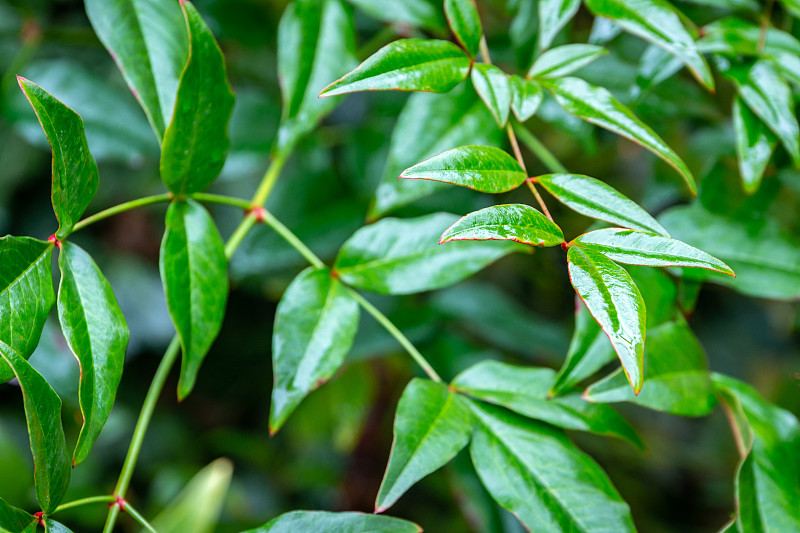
(336, 523)
(148, 41)
(658, 22)
(315, 324)
(635, 247)
(564, 60)
(768, 478)
(465, 23)
(598, 106)
(97, 334)
(16, 520)
(51, 526)
(534, 471)
(407, 65)
(593, 198)
(510, 222)
(403, 256)
(26, 294)
(765, 257)
(426, 14)
(553, 16)
(198, 506)
(524, 390)
(196, 141)
(792, 6)
(615, 302)
(678, 381)
(316, 43)
(51, 466)
(482, 168)
(768, 95)
(428, 125)
(431, 426)
(75, 173)
(493, 87)
(194, 273)
(754, 145)
(526, 97)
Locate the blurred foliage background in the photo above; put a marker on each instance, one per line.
(332, 452)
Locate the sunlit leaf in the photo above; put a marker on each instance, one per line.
(553, 16)
(510, 222)
(564, 60)
(493, 87)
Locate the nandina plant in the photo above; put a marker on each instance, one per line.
(636, 277)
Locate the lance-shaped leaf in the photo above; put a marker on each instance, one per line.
(148, 41)
(26, 294)
(554, 15)
(336, 523)
(431, 426)
(194, 273)
(463, 19)
(482, 168)
(196, 141)
(524, 390)
(678, 381)
(407, 65)
(16, 520)
(396, 256)
(315, 324)
(754, 145)
(769, 96)
(493, 87)
(96, 333)
(658, 22)
(564, 60)
(635, 247)
(598, 106)
(51, 526)
(75, 173)
(534, 471)
(316, 43)
(792, 6)
(768, 477)
(51, 467)
(424, 14)
(593, 198)
(526, 97)
(511, 222)
(615, 302)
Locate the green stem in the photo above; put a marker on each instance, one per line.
(269, 179)
(239, 234)
(221, 199)
(534, 145)
(127, 206)
(139, 518)
(84, 501)
(292, 239)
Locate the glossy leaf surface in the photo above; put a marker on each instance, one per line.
(315, 45)
(526, 97)
(97, 334)
(593, 198)
(564, 60)
(510, 222)
(194, 273)
(26, 294)
(676, 371)
(524, 390)
(553, 16)
(315, 324)
(615, 302)
(482, 168)
(336, 523)
(493, 87)
(534, 471)
(754, 145)
(598, 106)
(464, 22)
(51, 526)
(765, 257)
(75, 175)
(196, 141)
(403, 256)
(51, 463)
(407, 65)
(658, 22)
(431, 426)
(148, 41)
(15, 520)
(635, 247)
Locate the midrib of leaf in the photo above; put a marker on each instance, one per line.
(326, 307)
(377, 263)
(488, 172)
(603, 288)
(415, 66)
(24, 272)
(507, 227)
(606, 212)
(137, 16)
(307, 74)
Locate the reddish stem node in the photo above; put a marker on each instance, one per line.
(565, 246)
(119, 502)
(52, 238)
(258, 212)
(40, 517)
